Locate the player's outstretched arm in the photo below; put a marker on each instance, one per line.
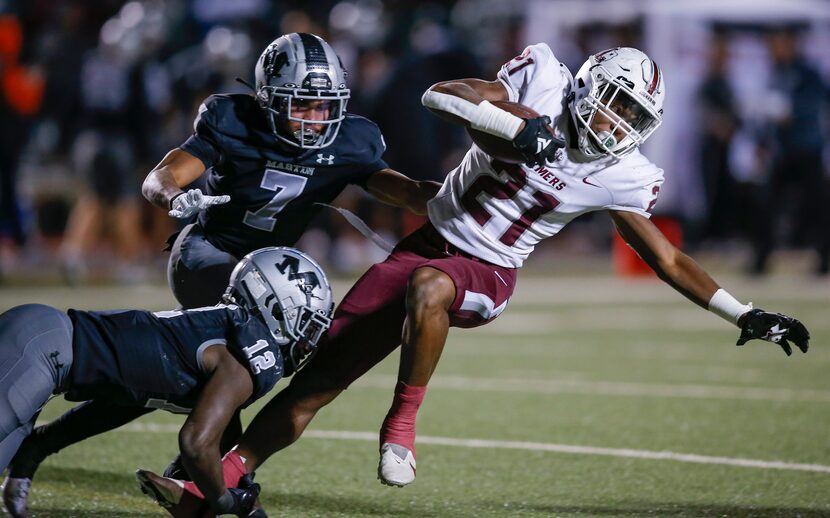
(177, 169)
(683, 274)
(228, 387)
(674, 267)
(394, 188)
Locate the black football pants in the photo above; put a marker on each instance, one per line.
(197, 271)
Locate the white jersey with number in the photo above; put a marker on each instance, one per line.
(499, 212)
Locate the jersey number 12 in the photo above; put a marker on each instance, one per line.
(262, 361)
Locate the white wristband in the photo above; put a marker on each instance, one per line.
(495, 121)
(483, 116)
(727, 307)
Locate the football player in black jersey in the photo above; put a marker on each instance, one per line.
(269, 159)
(206, 362)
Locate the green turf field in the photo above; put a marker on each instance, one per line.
(589, 396)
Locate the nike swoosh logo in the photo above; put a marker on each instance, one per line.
(585, 180)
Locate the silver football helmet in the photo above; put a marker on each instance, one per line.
(624, 86)
(302, 67)
(290, 292)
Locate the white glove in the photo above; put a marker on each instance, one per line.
(193, 201)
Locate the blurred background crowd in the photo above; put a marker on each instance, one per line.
(93, 93)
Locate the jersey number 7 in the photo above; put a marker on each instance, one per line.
(286, 187)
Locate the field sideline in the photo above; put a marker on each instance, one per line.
(589, 396)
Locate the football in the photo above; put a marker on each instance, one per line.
(500, 148)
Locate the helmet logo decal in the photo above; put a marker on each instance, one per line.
(605, 54)
(655, 77)
(276, 61)
(308, 281)
(328, 160)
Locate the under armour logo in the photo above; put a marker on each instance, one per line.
(275, 62)
(775, 333)
(542, 144)
(328, 160)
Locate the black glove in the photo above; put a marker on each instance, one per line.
(774, 327)
(242, 498)
(536, 142)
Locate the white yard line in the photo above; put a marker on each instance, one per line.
(532, 446)
(606, 388)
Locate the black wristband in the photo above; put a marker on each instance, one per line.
(170, 203)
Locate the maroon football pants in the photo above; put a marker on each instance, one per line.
(368, 322)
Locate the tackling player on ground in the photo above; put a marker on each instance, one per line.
(270, 158)
(206, 363)
(460, 268)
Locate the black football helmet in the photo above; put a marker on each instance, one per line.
(301, 66)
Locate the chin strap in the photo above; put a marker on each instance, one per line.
(246, 83)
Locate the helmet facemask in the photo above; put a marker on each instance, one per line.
(304, 327)
(279, 103)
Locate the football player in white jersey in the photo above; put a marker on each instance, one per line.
(459, 269)
(498, 212)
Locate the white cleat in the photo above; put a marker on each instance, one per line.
(16, 496)
(396, 466)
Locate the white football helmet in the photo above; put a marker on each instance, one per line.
(301, 66)
(290, 292)
(624, 86)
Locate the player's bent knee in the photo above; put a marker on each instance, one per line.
(193, 441)
(429, 289)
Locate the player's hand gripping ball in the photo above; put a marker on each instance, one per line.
(535, 143)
